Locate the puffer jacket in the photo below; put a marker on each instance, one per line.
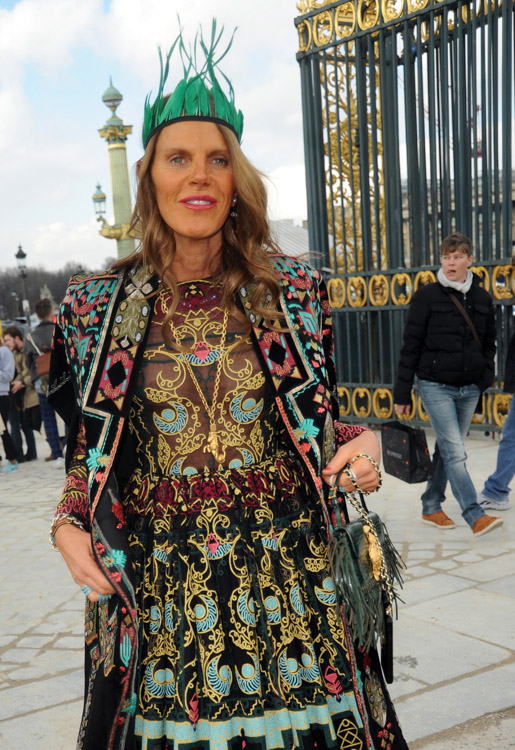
(438, 343)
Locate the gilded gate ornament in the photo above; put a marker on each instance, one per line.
(424, 277)
(336, 292)
(323, 29)
(483, 274)
(345, 400)
(382, 403)
(421, 411)
(503, 282)
(368, 14)
(402, 289)
(378, 290)
(364, 408)
(357, 291)
(392, 9)
(345, 19)
(501, 407)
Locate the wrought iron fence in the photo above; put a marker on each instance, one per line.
(408, 121)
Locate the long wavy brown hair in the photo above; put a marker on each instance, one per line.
(246, 240)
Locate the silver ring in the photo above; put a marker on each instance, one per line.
(349, 471)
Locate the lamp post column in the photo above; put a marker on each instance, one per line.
(20, 257)
(115, 133)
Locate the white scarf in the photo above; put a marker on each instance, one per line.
(460, 286)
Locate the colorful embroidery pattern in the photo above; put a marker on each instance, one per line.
(236, 638)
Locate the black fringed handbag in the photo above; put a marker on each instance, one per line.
(366, 566)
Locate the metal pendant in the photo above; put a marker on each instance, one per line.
(215, 447)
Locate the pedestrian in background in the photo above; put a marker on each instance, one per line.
(36, 342)
(449, 343)
(24, 413)
(496, 492)
(7, 370)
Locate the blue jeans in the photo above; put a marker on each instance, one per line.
(496, 486)
(450, 409)
(51, 429)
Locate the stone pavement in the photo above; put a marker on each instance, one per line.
(454, 640)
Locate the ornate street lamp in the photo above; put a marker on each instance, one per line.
(115, 133)
(20, 258)
(99, 201)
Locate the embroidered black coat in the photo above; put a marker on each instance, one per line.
(98, 346)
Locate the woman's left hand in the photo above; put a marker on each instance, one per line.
(366, 475)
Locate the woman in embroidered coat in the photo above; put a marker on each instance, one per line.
(198, 382)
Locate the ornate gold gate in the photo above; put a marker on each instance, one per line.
(408, 127)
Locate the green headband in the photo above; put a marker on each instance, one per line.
(199, 95)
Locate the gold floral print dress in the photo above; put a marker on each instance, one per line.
(240, 643)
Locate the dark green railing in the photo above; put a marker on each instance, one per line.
(408, 110)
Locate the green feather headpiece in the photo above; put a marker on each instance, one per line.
(198, 96)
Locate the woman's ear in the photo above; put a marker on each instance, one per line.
(138, 167)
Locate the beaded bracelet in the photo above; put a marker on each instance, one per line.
(62, 522)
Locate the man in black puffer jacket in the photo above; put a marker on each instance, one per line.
(449, 343)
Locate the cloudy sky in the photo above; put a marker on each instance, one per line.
(56, 57)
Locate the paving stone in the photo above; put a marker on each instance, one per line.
(462, 700)
(421, 554)
(23, 700)
(417, 571)
(18, 655)
(56, 728)
(427, 588)
(503, 586)
(490, 569)
(477, 613)
(446, 655)
(23, 674)
(70, 642)
(468, 557)
(444, 564)
(33, 641)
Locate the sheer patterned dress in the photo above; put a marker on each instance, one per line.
(241, 645)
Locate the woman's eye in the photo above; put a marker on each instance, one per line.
(221, 161)
(178, 159)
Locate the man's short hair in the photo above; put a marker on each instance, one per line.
(13, 331)
(43, 308)
(454, 242)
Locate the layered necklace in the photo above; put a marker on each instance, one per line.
(214, 445)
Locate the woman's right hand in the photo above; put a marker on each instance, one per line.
(74, 544)
(402, 410)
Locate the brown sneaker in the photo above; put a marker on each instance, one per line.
(485, 524)
(440, 519)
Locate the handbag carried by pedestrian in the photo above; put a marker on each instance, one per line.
(42, 362)
(405, 452)
(366, 567)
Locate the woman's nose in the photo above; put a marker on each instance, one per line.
(199, 172)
